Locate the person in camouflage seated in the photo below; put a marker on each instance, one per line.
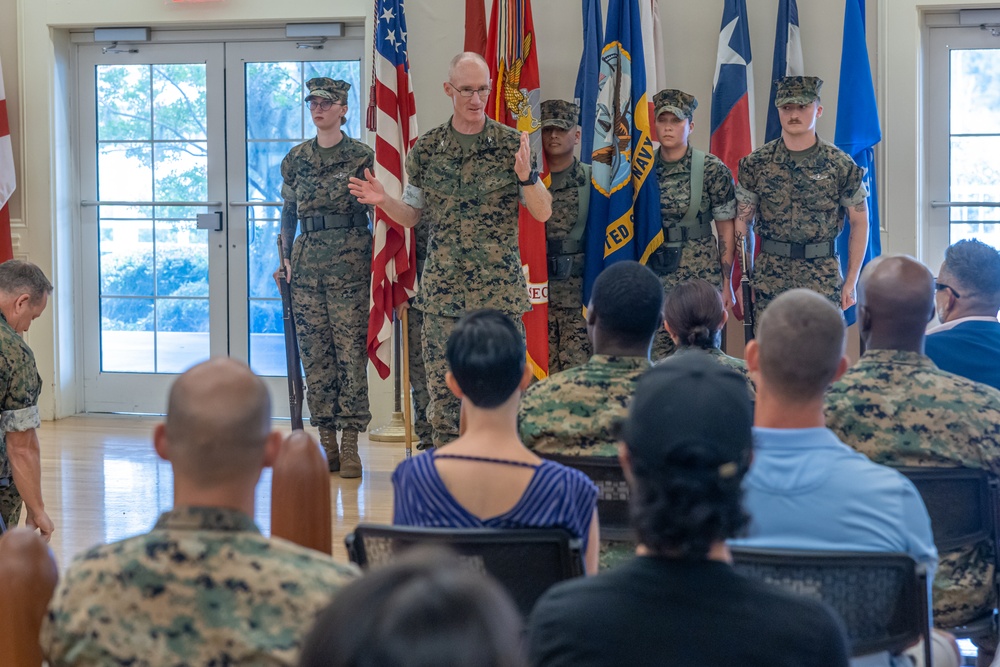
(466, 179)
(564, 234)
(24, 293)
(896, 407)
(693, 315)
(793, 193)
(685, 174)
(328, 268)
(204, 587)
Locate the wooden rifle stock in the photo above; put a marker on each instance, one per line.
(749, 319)
(293, 364)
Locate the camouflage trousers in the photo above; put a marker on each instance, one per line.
(331, 320)
(774, 275)
(963, 588)
(569, 345)
(699, 259)
(10, 505)
(418, 376)
(444, 410)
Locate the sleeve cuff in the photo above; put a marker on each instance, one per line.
(745, 196)
(857, 198)
(413, 196)
(726, 211)
(25, 419)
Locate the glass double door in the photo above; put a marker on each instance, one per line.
(181, 147)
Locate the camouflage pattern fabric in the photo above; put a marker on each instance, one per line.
(323, 87)
(20, 385)
(675, 101)
(470, 207)
(699, 257)
(797, 90)
(330, 282)
(899, 409)
(561, 114)
(738, 365)
(204, 587)
(799, 200)
(572, 412)
(418, 377)
(569, 345)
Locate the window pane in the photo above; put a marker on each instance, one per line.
(182, 334)
(127, 335)
(274, 95)
(123, 108)
(181, 171)
(267, 340)
(975, 175)
(125, 171)
(126, 248)
(975, 91)
(181, 261)
(264, 169)
(179, 108)
(987, 233)
(262, 254)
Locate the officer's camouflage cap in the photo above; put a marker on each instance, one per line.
(560, 113)
(328, 89)
(676, 102)
(797, 90)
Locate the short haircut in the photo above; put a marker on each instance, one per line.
(801, 341)
(976, 266)
(427, 609)
(463, 57)
(218, 421)
(627, 299)
(17, 278)
(693, 311)
(485, 353)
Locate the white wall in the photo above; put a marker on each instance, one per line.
(45, 87)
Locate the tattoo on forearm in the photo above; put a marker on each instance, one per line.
(722, 247)
(861, 207)
(745, 213)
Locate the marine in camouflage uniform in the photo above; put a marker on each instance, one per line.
(690, 250)
(418, 375)
(331, 267)
(204, 587)
(797, 201)
(899, 409)
(738, 365)
(569, 345)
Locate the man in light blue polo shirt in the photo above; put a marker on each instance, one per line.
(806, 489)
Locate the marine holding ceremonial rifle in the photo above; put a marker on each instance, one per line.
(328, 268)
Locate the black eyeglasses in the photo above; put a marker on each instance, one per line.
(321, 104)
(940, 286)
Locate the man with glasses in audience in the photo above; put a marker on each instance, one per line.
(466, 178)
(967, 342)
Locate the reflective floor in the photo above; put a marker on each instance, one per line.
(102, 481)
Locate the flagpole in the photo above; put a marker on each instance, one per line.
(407, 417)
(397, 430)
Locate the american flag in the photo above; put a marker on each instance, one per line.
(393, 117)
(7, 181)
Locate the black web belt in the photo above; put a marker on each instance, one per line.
(799, 250)
(317, 223)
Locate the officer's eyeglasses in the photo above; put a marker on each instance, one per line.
(321, 104)
(941, 286)
(483, 91)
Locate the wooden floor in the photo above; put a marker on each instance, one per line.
(102, 481)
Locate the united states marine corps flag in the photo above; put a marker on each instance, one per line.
(516, 101)
(624, 218)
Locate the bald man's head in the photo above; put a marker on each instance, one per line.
(801, 342)
(466, 59)
(218, 421)
(895, 301)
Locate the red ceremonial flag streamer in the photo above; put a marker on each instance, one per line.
(515, 100)
(475, 26)
(7, 180)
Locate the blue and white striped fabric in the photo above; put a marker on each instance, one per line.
(556, 497)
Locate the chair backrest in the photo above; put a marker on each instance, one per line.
(28, 577)
(525, 561)
(612, 499)
(962, 504)
(300, 494)
(882, 597)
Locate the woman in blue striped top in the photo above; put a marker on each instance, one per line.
(487, 478)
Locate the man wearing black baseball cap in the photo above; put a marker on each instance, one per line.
(685, 447)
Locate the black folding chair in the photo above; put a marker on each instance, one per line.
(963, 504)
(612, 500)
(882, 597)
(525, 561)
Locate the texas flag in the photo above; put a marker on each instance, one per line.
(732, 89)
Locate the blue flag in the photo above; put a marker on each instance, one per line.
(586, 79)
(787, 59)
(858, 129)
(624, 217)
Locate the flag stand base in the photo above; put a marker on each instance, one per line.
(394, 431)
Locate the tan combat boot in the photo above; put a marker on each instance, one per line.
(349, 459)
(328, 438)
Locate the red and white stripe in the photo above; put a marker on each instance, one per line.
(7, 179)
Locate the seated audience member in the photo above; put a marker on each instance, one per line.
(204, 587)
(486, 478)
(896, 407)
(967, 342)
(806, 489)
(678, 602)
(426, 610)
(693, 315)
(572, 412)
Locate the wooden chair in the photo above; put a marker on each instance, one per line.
(526, 561)
(882, 597)
(613, 493)
(300, 494)
(28, 577)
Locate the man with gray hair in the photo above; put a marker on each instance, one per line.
(967, 342)
(24, 293)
